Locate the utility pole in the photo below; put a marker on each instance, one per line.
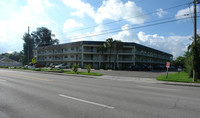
(28, 45)
(196, 54)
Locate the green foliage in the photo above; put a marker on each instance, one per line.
(180, 61)
(75, 68)
(3, 66)
(17, 56)
(117, 46)
(88, 67)
(176, 77)
(189, 58)
(109, 44)
(84, 73)
(38, 69)
(27, 49)
(43, 37)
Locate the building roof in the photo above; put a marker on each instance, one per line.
(125, 44)
(100, 43)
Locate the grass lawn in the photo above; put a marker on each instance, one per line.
(61, 71)
(84, 73)
(176, 77)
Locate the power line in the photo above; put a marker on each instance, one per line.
(128, 18)
(131, 26)
(169, 21)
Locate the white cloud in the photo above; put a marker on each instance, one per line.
(70, 24)
(111, 9)
(126, 35)
(47, 3)
(184, 13)
(80, 7)
(33, 14)
(116, 9)
(89, 35)
(174, 44)
(160, 12)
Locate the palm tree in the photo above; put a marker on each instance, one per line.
(109, 44)
(118, 44)
(101, 49)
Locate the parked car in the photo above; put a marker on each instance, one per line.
(139, 68)
(62, 66)
(52, 65)
(160, 67)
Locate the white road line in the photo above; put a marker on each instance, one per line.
(89, 102)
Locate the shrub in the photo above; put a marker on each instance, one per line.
(75, 68)
(38, 69)
(62, 70)
(88, 67)
(3, 66)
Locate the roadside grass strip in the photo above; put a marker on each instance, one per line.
(177, 77)
(60, 71)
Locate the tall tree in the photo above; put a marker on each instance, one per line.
(109, 45)
(101, 49)
(180, 61)
(27, 48)
(43, 37)
(189, 55)
(118, 44)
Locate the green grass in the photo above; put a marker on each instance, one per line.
(176, 77)
(57, 70)
(84, 73)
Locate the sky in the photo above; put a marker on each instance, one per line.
(166, 25)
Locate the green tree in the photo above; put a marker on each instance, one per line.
(118, 44)
(43, 37)
(101, 49)
(75, 68)
(27, 48)
(180, 61)
(88, 67)
(109, 45)
(189, 58)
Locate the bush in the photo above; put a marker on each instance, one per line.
(3, 66)
(75, 68)
(38, 69)
(88, 67)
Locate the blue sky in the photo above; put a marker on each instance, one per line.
(76, 20)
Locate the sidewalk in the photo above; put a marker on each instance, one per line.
(147, 80)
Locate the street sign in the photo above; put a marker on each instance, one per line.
(167, 64)
(33, 60)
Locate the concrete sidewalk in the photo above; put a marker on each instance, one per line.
(147, 80)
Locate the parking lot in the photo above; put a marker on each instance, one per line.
(140, 74)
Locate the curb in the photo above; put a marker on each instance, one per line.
(182, 84)
(57, 73)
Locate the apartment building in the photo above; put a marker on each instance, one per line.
(86, 52)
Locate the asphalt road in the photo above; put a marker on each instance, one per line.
(38, 95)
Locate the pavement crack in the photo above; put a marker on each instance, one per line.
(175, 104)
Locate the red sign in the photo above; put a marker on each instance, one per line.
(167, 64)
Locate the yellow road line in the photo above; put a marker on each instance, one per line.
(37, 78)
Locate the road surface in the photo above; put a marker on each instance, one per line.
(38, 95)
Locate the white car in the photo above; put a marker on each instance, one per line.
(62, 66)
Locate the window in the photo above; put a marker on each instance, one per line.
(72, 48)
(66, 56)
(72, 56)
(66, 49)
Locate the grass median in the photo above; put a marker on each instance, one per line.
(177, 77)
(57, 71)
